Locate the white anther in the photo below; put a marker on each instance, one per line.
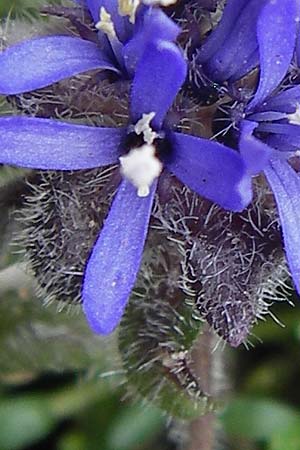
(143, 127)
(294, 118)
(164, 3)
(128, 8)
(106, 24)
(141, 167)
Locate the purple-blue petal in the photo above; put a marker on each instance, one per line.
(212, 170)
(122, 26)
(219, 35)
(282, 143)
(254, 152)
(115, 259)
(298, 45)
(94, 7)
(285, 102)
(266, 116)
(286, 133)
(39, 62)
(48, 144)
(239, 45)
(245, 66)
(159, 75)
(276, 32)
(285, 184)
(152, 24)
(288, 129)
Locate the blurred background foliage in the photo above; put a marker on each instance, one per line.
(62, 388)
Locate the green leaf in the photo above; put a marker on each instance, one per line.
(74, 440)
(35, 338)
(258, 419)
(28, 418)
(23, 422)
(25, 9)
(287, 439)
(133, 427)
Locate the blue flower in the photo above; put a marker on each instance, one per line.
(264, 33)
(39, 62)
(269, 136)
(275, 121)
(252, 33)
(211, 169)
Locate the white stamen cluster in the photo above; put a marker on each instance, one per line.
(163, 3)
(106, 24)
(294, 118)
(141, 167)
(129, 7)
(143, 127)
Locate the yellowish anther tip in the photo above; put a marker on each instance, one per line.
(128, 8)
(106, 24)
(143, 127)
(294, 118)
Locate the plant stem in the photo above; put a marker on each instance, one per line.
(202, 429)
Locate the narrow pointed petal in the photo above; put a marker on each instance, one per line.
(254, 152)
(239, 46)
(115, 259)
(285, 184)
(276, 32)
(219, 35)
(266, 116)
(212, 170)
(152, 25)
(48, 144)
(283, 144)
(94, 8)
(245, 66)
(159, 75)
(285, 102)
(40, 62)
(288, 130)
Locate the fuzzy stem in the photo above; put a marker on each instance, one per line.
(202, 429)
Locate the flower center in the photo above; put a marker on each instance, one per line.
(294, 118)
(141, 166)
(143, 127)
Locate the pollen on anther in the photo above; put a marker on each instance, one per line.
(294, 118)
(106, 24)
(143, 127)
(141, 167)
(128, 8)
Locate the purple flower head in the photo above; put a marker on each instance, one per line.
(211, 169)
(271, 132)
(252, 33)
(117, 47)
(264, 33)
(269, 129)
(270, 135)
